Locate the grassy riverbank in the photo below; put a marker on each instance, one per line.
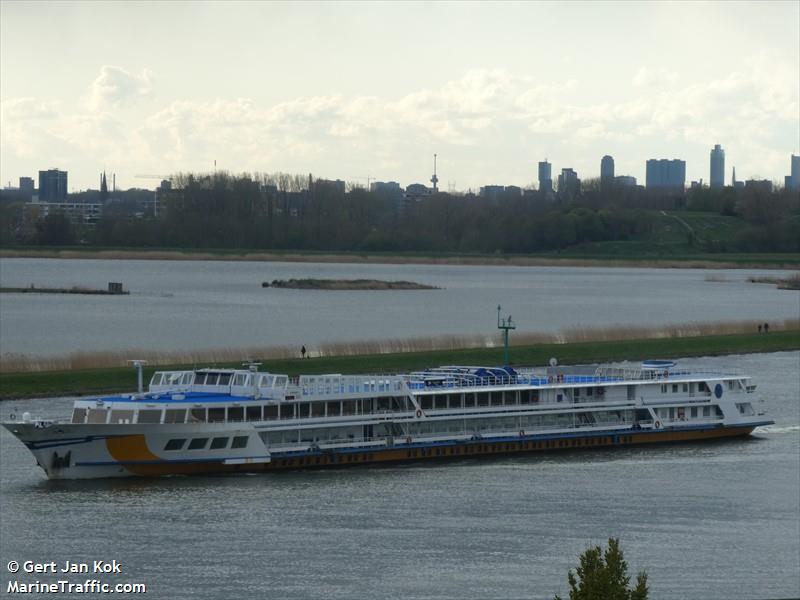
(119, 379)
(629, 254)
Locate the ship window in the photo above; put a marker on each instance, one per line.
(366, 406)
(510, 398)
(216, 415)
(212, 379)
(349, 407)
(685, 387)
(156, 380)
(224, 379)
(121, 416)
(663, 388)
(384, 404)
(427, 403)
(706, 411)
(287, 411)
(200, 379)
(589, 391)
(454, 401)
(175, 415)
(79, 415)
(239, 441)
(694, 412)
(198, 443)
(187, 378)
(303, 410)
(674, 388)
(149, 416)
(97, 415)
(469, 400)
(497, 398)
(175, 444)
(317, 409)
(440, 401)
(577, 393)
(235, 413)
(218, 443)
(334, 409)
(254, 412)
(197, 415)
(239, 379)
(718, 411)
(483, 399)
(271, 412)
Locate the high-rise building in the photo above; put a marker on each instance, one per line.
(795, 176)
(26, 185)
(545, 177)
(717, 178)
(607, 170)
(666, 174)
(52, 185)
(568, 182)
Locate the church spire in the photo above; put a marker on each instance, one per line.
(103, 187)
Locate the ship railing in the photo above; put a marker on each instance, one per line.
(639, 374)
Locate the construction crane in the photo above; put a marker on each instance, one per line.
(369, 178)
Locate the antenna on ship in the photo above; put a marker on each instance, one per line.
(138, 364)
(505, 324)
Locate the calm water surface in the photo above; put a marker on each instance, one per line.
(175, 305)
(716, 520)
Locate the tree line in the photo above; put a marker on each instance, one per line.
(292, 212)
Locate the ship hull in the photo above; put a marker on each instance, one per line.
(107, 454)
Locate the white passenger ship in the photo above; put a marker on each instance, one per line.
(229, 420)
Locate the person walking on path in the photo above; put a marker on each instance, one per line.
(303, 349)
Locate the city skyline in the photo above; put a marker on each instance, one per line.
(291, 88)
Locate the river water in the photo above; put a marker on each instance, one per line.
(198, 305)
(712, 520)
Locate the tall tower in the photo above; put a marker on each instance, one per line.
(606, 170)
(717, 178)
(733, 178)
(545, 177)
(435, 179)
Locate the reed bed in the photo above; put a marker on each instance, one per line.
(716, 278)
(25, 363)
(792, 282)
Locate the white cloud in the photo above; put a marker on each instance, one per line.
(478, 123)
(115, 87)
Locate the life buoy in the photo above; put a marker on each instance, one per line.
(419, 413)
(657, 424)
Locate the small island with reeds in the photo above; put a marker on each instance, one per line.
(792, 282)
(346, 284)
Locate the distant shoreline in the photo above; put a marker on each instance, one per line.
(717, 262)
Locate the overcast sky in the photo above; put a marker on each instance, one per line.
(350, 90)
